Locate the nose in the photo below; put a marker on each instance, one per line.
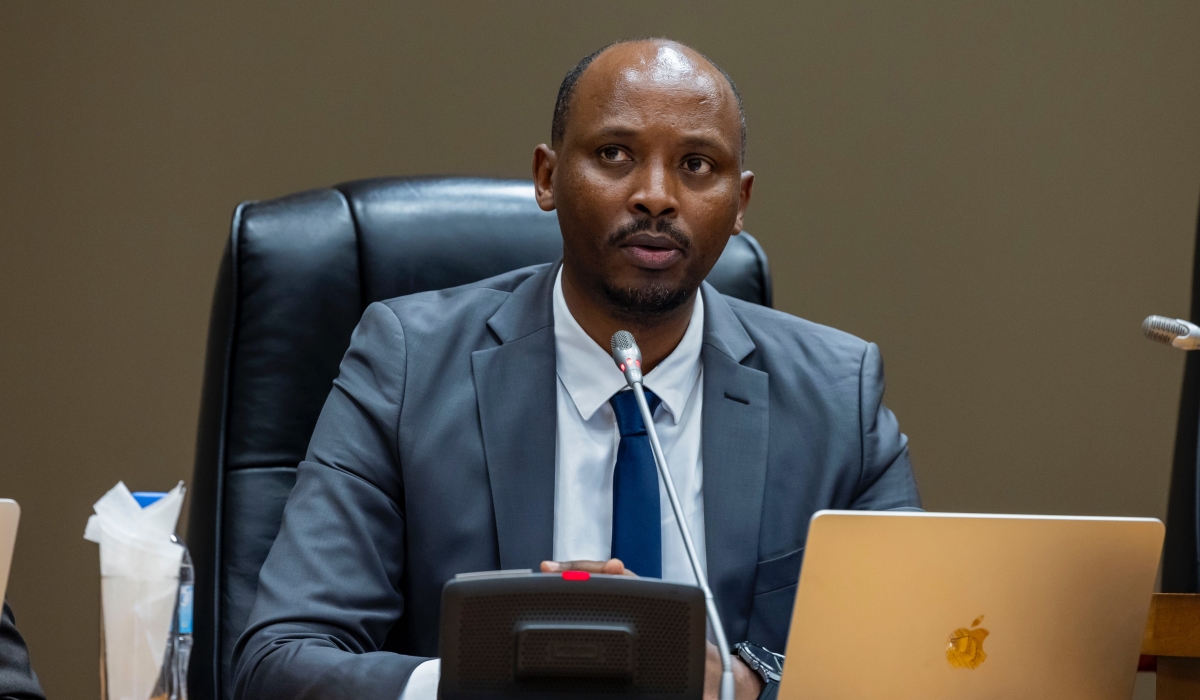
(654, 195)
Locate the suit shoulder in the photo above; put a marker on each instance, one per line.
(504, 284)
(779, 329)
(798, 351)
(445, 308)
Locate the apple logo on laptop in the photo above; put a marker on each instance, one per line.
(965, 648)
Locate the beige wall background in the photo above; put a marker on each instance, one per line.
(996, 193)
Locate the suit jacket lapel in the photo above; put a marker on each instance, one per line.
(734, 447)
(515, 385)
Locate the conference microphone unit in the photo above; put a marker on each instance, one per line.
(628, 356)
(1172, 331)
(517, 634)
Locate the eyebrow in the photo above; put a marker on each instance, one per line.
(705, 141)
(616, 132)
(695, 140)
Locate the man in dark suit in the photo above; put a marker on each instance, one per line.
(17, 679)
(484, 427)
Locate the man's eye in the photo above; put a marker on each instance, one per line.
(696, 165)
(614, 154)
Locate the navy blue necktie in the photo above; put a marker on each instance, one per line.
(636, 524)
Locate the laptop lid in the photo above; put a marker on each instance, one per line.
(931, 605)
(10, 514)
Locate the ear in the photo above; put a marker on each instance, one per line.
(747, 185)
(544, 160)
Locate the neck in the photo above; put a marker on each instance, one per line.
(657, 336)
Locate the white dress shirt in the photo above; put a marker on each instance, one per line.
(587, 440)
(585, 453)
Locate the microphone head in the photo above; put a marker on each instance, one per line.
(627, 355)
(1162, 329)
(623, 340)
(1175, 332)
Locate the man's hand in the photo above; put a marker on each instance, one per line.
(747, 685)
(616, 567)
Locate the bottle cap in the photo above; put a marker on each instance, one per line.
(145, 498)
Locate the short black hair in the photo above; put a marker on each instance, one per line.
(562, 105)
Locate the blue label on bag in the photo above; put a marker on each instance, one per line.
(185, 609)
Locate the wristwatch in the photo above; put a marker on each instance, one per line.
(767, 664)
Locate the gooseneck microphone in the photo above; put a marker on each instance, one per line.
(628, 356)
(1171, 331)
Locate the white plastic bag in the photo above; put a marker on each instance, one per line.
(139, 569)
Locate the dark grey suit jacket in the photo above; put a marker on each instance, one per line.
(17, 679)
(434, 455)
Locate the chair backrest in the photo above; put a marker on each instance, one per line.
(295, 278)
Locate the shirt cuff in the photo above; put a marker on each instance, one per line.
(423, 683)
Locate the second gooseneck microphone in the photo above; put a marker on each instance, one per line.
(1172, 331)
(628, 356)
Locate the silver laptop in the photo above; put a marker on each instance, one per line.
(10, 513)
(895, 605)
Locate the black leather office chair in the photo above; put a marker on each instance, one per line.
(296, 276)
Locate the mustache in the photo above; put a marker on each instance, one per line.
(663, 226)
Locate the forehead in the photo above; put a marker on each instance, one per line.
(646, 85)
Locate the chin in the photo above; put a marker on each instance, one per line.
(647, 300)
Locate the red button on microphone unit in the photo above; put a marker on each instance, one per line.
(576, 575)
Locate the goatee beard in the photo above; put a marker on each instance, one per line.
(648, 302)
(653, 300)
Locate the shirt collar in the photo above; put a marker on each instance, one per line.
(590, 376)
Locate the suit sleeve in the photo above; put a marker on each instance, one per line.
(886, 480)
(17, 680)
(328, 593)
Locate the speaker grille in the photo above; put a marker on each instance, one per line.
(621, 341)
(1162, 329)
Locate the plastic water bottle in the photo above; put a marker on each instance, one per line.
(181, 633)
